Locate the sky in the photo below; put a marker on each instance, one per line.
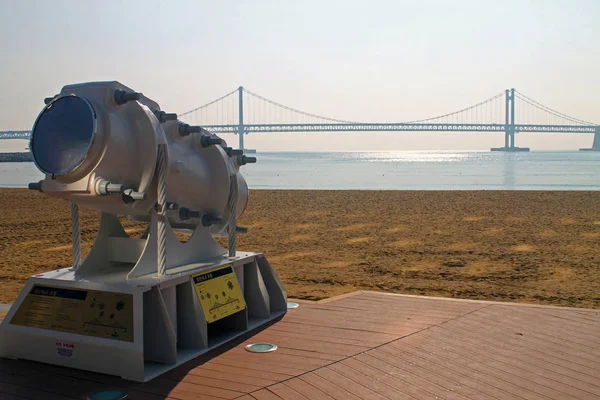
(353, 60)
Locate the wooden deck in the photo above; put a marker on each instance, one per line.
(371, 346)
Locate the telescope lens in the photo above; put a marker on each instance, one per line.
(63, 135)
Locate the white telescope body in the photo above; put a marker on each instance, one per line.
(101, 154)
(105, 147)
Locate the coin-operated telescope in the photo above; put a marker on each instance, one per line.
(137, 307)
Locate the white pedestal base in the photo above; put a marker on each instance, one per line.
(159, 323)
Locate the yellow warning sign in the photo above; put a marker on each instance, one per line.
(86, 312)
(219, 293)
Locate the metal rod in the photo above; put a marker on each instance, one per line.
(231, 225)
(161, 237)
(76, 234)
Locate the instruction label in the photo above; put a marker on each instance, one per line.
(107, 315)
(64, 349)
(219, 293)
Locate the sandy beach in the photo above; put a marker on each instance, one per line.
(533, 247)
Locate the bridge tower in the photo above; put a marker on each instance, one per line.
(241, 118)
(596, 144)
(509, 125)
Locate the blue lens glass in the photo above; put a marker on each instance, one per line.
(63, 134)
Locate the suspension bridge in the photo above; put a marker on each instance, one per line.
(242, 111)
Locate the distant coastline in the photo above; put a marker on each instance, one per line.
(16, 157)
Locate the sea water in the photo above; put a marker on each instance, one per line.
(415, 170)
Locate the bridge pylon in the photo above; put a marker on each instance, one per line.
(241, 129)
(596, 143)
(509, 125)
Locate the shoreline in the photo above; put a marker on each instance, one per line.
(16, 157)
(536, 247)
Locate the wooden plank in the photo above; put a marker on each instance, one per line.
(439, 361)
(319, 330)
(330, 335)
(265, 394)
(363, 375)
(429, 304)
(348, 384)
(435, 371)
(406, 380)
(514, 361)
(22, 392)
(223, 382)
(514, 383)
(186, 391)
(234, 377)
(532, 356)
(328, 387)
(320, 346)
(551, 351)
(291, 365)
(388, 312)
(55, 384)
(286, 392)
(308, 354)
(241, 371)
(553, 327)
(385, 375)
(382, 317)
(253, 365)
(308, 390)
(494, 327)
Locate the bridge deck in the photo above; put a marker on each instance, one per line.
(372, 346)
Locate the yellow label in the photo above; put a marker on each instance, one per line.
(86, 312)
(219, 293)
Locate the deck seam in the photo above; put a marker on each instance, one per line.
(376, 347)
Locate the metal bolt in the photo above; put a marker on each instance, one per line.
(185, 129)
(207, 140)
(105, 187)
(133, 195)
(121, 96)
(35, 186)
(172, 205)
(243, 160)
(209, 219)
(186, 213)
(233, 152)
(164, 117)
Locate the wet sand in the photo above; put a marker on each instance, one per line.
(534, 247)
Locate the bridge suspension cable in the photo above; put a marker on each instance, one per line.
(464, 110)
(550, 111)
(208, 104)
(296, 110)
